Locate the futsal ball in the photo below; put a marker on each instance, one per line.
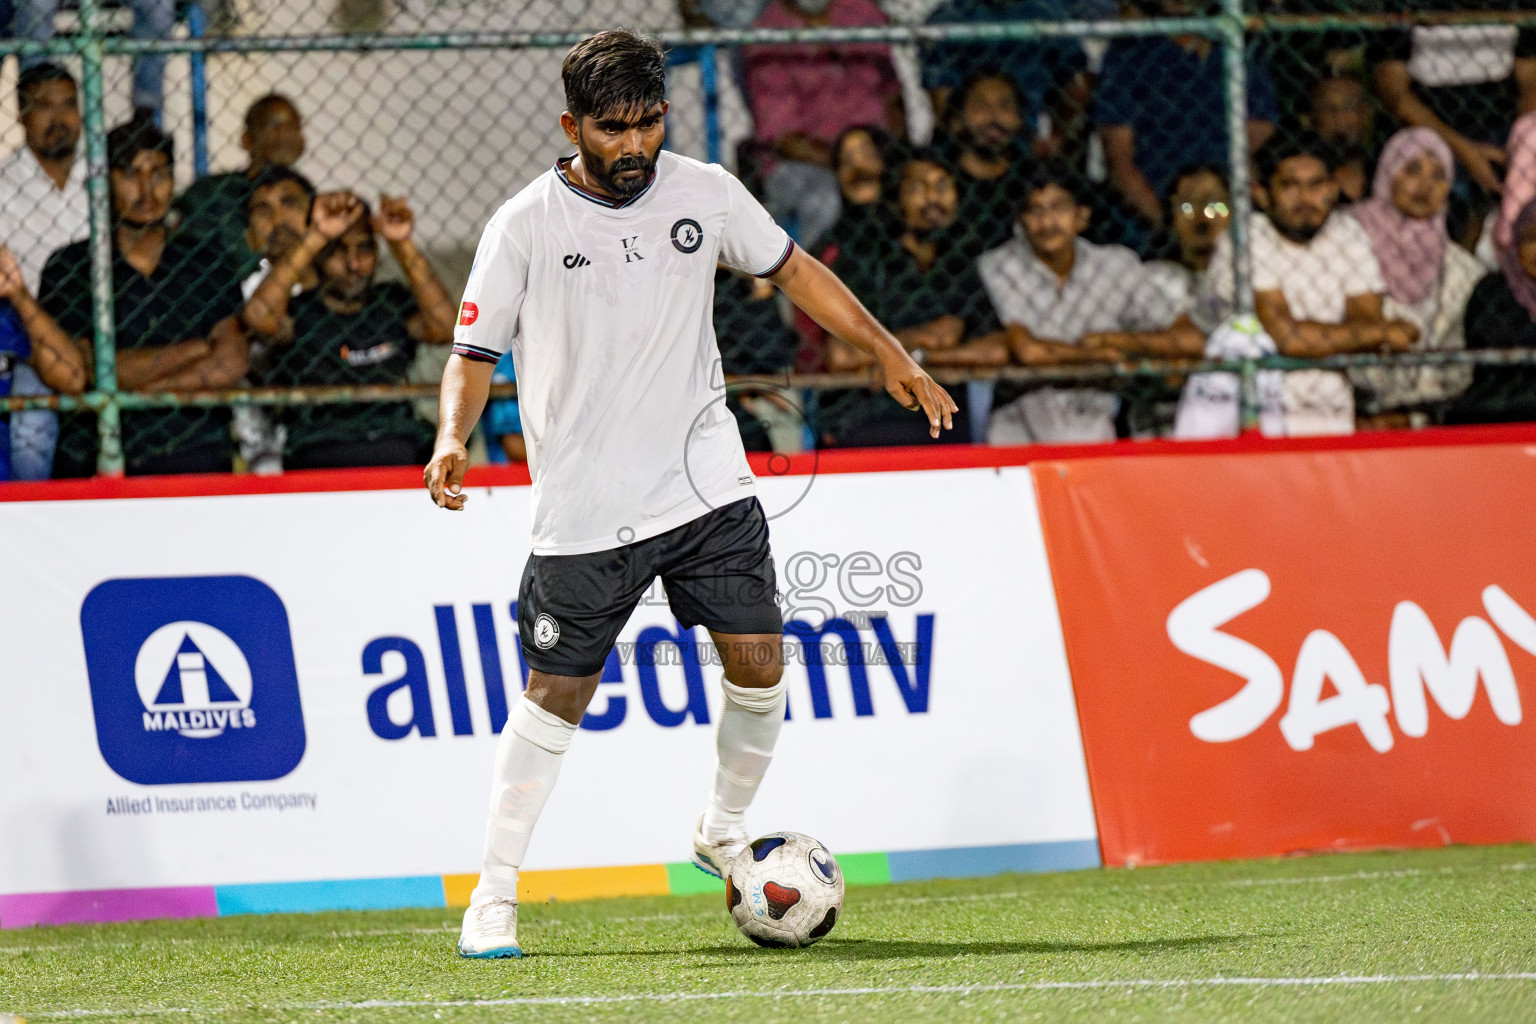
(784, 890)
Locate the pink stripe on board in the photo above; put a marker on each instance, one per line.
(23, 909)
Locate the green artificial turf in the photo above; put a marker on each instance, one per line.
(1152, 944)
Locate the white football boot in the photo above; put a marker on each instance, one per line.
(714, 858)
(490, 930)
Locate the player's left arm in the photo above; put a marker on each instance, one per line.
(433, 321)
(813, 287)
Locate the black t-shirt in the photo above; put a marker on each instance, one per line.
(371, 346)
(888, 280)
(1479, 105)
(194, 286)
(1498, 394)
(989, 208)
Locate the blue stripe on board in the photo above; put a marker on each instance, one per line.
(342, 894)
(975, 861)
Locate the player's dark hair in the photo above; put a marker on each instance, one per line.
(1288, 143)
(39, 74)
(264, 103)
(127, 141)
(1060, 174)
(962, 92)
(613, 72)
(276, 175)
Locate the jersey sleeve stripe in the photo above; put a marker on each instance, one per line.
(788, 251)
(475, 352)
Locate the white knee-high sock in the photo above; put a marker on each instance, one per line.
(750, 720)
(528, 757)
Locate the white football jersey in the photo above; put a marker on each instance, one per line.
(607, 308)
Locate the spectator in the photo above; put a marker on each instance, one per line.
(1158, 109)
(215, 207)
(1060, 298)
(984, 124)
(802, 96)
(1318, 289)
(1428, 277)
(1467, 83)
(152, 19)
(43, 207)
(351, 331)
(175, 303)
(1199, 212)
(276, 218)
(1342, 114)
(1046, 73)
(1502, 314)
(1519, 183)
(56, 362)
(921, 285)
(861, 157)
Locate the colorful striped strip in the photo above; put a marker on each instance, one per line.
(682, 879)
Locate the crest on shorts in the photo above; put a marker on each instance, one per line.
(687, 236)
(546, 632)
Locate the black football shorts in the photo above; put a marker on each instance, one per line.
(716, 570)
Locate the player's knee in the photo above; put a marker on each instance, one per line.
(754, 676)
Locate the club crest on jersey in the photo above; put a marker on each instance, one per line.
(687, 236)
(468, 313)
(546, 632)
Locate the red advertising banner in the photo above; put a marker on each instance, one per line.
(1300, 651)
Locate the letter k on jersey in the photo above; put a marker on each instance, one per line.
(1298, 651)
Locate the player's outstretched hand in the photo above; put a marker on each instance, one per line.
(445, 477)
(914, 389)
(395, 220)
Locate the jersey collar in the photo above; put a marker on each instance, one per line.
(607, 202)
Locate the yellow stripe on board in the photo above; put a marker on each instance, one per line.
(570, 884)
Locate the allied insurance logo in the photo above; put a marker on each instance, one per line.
(192, 679)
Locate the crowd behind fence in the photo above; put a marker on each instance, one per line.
(1050, 202)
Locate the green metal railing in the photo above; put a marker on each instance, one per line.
(1230, 29)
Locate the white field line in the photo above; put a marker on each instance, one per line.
(826, 993)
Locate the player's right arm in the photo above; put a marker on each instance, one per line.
(493, 299)
(466, 383)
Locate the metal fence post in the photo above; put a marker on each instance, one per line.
(1234, 51)
(109, 458)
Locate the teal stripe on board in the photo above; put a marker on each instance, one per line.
(976, 861)
(343, 894)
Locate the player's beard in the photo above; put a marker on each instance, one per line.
(605, 174)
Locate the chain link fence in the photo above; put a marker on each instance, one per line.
(1050, 202)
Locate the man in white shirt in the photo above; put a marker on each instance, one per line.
(1317, 287)
(43, 207)
(1063, 299)
(599, 278)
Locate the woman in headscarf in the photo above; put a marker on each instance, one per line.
(1429, 278)
(1502, 314)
